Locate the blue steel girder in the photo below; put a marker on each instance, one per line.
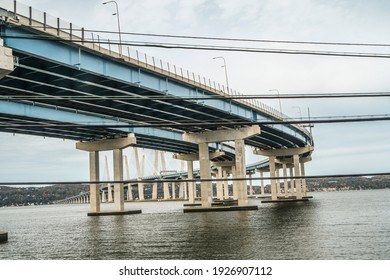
(49, 68)
(33, 119)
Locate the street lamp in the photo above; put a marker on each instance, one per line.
(226, 75)
(280, 103)
(119, 25)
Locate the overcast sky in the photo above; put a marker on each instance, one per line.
(339, 148)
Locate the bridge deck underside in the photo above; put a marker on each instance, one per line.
(36, 78)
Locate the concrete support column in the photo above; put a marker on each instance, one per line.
(292, 183)
(234, 183)
(219, 184)
(225, 184)
(250, 185)
(154, 191)
(191, 185)
(241, 172)
(285, 180)
(303, 181)
(262, 192)
(274, 194)
(297, 174)
(181, 190)
(278, 191)
(205, 174)
(166, 190)
(129, 192)
(173, 190)
(118, 176)
(94, 177)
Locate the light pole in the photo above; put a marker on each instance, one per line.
(119, 25)
(280, 103)
(226, 75)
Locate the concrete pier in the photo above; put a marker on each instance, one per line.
(220, 209)
(115, 213)
(116, 146)
(3, 236)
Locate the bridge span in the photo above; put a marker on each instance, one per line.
(60, 81)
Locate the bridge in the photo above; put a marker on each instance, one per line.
(60, 81)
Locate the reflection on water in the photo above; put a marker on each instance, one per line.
(342, 225)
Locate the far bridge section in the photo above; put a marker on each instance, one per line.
(59, 81)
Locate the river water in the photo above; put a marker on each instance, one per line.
(334, 225)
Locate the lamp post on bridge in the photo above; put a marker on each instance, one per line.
(226, 75)
(280, 103)
(119, 25)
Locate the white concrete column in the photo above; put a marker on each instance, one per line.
(303, 181)
(154, 191)
(173, 187)
(278, 191)
(205, 174)
(139, 175)
(109, 185)
(118, 176)
(241, 172)
(285, 180)
(262, 192)
(94, 177)
(103, 196)
(297, 174)
(234, 183)
(250, 184)
(129, 190)
(166, 190)
(292, 183)
(274, 194)
(225, 184)
(219, 183)
(181, 190)
(191, 185)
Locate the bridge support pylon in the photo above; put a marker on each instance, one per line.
(205, 137)
(116, 145)
(293, 158)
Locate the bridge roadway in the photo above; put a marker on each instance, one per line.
(57, 83)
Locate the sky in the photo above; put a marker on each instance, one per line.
(339, 148)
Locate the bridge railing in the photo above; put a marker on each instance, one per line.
(67, 31)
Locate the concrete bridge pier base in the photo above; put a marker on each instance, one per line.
(294, 157)
(240, 187)
(116, 145)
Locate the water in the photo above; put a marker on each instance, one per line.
(337, 225)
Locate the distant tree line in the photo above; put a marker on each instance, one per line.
(17, 196)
